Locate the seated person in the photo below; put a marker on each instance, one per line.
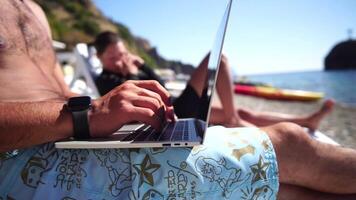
(241, 163)
(119, 65)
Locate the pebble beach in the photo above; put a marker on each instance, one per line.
(340, 124)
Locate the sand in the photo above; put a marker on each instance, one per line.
(340, 125)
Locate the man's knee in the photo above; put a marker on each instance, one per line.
(224, 58)
(287, 134)
(291, 143)
(224, 62)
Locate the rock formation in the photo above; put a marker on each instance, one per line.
(342, 56)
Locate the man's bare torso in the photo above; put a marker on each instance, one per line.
(27, 61)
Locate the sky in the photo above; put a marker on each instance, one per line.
(263, 36)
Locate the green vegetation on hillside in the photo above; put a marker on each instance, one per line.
(78, 21)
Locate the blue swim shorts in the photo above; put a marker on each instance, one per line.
(237, 163)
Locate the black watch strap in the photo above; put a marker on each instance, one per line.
(81, 124)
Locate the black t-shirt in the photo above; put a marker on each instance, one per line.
(107, 80)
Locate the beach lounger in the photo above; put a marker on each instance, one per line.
(322, 137)
(83, 72)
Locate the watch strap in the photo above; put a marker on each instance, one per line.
(81, 124)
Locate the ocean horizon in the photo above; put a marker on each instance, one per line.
(338, 85)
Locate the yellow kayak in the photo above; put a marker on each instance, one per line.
(280, 94)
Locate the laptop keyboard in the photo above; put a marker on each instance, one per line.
(177, 131)
(181, 131)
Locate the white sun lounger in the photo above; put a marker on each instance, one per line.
(322, 137)
(83, 72)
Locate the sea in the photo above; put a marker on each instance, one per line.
(338, 85)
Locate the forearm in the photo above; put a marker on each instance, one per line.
(27, 124)
(151, 74)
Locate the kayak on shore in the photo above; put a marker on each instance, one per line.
(278, 94)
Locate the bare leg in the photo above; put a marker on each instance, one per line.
(269, 118)
(197, 80)
(292, 192)
(218, 116)
(224, 90)
(226, 115)
(226, 95)
(305, 162)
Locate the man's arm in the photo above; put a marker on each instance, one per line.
(28, 124)
(151, 74)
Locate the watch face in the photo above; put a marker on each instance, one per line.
(79, 103)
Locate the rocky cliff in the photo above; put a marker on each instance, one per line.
(342, 56)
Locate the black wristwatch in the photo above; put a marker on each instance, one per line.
(79, 107)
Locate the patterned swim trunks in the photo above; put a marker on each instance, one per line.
(238, 163)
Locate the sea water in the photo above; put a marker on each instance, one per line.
(339, 85)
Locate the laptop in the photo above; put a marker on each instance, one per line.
(181, 133)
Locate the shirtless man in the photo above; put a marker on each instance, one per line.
(31, 112)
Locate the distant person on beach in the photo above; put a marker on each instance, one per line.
(120, 65)
(243, 163)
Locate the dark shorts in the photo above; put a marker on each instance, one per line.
(190, 105)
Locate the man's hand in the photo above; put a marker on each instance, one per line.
(143, 101)
(136, 60)
(131, 64)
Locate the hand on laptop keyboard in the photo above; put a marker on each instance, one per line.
(144, 101)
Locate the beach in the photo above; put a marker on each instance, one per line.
(340, 124)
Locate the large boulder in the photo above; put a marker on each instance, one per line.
(342, 56)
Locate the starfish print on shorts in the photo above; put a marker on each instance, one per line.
(259, 170)
(145, 170)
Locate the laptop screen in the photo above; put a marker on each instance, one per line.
(213, 67)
